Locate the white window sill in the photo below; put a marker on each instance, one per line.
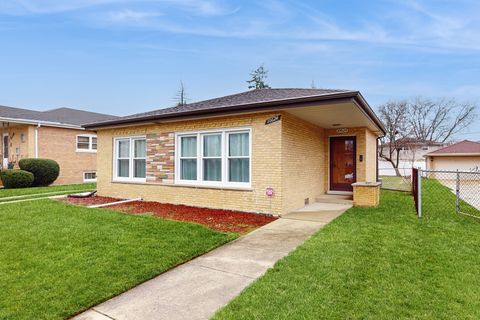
(179, 185)
(130, 180)
(86, 151)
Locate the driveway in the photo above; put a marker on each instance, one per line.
(197, 289)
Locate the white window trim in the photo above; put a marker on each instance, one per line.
(130, 163)
(224, 141)
(90, 143)
(89, 180)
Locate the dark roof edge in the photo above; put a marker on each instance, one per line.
(258, 106)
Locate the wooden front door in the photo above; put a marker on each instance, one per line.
(343, 169)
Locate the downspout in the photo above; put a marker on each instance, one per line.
(378, 176)
(36, 140)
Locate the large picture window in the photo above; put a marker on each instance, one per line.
(214, 158)
(130, 159)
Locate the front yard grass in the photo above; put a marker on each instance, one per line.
(57, 259)
(37, 190)
(396, 183)
(381, 263)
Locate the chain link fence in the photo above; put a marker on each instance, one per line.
(455, 191)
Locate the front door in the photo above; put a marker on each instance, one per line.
(343, 169)
(5, 150)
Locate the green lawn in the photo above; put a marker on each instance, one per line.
(57, 259)
(381, 263)
(396, 183)
(34, 190)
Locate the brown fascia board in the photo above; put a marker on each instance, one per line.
(262, 106)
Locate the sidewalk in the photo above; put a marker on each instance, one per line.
(197, 289)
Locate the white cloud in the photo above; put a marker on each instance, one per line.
(132, 15)
(197, 7)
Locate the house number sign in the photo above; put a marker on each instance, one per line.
(273, 119)
(342, 130)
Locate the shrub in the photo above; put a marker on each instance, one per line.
(45, 171)
(14, 178)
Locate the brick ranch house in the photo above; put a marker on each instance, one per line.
(54, 134)
(264, 150)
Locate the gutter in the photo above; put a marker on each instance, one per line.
(41, 122)
(260, 106)
(468, 154)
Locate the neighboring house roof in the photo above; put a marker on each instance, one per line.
(461, 148)
(258, 99)
(410, 141)
(59, 116)
(419, 142)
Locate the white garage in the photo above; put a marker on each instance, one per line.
(462, 156)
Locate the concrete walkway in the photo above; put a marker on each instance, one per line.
(197, 289)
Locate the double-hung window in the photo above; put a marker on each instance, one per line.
(86, 143)
(130, 159)
(214, 158)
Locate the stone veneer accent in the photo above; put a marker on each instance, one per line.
(161, 157)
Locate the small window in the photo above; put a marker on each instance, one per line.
(130, 159)
(22, 137)
(238, 157)
(425, 148)
(90, 176)
(86, 143)
(188, 158)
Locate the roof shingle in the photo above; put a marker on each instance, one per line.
(60, 115)
(462, 147)
(251, 97)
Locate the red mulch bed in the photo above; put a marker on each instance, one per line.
(222, 220)
(217, 219)
(89, 201)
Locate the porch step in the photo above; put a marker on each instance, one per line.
(335, 198)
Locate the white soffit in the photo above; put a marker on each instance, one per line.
(334, 116)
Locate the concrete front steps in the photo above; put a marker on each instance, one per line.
(335, 198)
(325, 208)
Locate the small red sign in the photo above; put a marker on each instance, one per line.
(269, 192)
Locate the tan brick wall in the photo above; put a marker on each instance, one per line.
(366, 196)
(303, 162)
(289, 155)
(370, 156)
(265, 166)
(60, 145)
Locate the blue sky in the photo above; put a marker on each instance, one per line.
(128, 56)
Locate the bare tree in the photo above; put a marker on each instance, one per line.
(181, 96)
(394, 116)
(259, 77)
(439, 120)
(421, 120)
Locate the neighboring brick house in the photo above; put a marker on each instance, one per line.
(264, 150)
(54, 134)
(412, 149)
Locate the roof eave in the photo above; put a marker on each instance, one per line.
(358, 98)
(41, 122)
(457, 154)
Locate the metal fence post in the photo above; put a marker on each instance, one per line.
(457, 193)
(419, 192)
